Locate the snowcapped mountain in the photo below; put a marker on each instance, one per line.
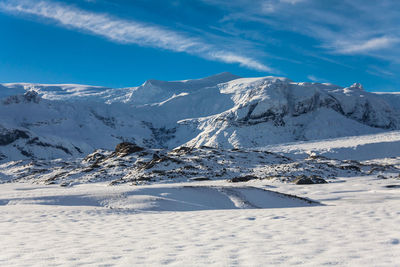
(61, 121)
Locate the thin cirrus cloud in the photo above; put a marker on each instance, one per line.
(128, 31)
(346, 27)
(366, 46)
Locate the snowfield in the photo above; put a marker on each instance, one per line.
(350, 221)
(363, 148)
(94, 224)
(220, 171)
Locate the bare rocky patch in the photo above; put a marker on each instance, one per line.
(133, 164)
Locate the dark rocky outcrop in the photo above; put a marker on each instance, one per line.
(28, 97)
(9, 136)
(95, 157)
(36, 141)
(199, 179)
(126, 148)
(243, 178)
(303, 179)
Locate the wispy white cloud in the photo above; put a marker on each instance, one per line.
(128, 31)
(378, 71)
(314, 78)
(229, 57)
(350, 27)
(365, 46)
(293, 2)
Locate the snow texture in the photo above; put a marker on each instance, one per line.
(356, 224)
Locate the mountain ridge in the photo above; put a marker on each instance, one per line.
(224, 110)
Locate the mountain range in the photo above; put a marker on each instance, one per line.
(42, 121)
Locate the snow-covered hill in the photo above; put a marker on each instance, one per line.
(62, 121)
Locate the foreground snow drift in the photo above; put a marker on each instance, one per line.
(359, 225)
(156, 198)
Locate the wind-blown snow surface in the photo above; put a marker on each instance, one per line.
(64, 121)
(358, 225)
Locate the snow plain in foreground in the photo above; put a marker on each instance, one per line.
(351, 221)
(358, 225)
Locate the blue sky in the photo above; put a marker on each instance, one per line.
(120, 43)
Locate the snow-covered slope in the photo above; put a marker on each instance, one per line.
(393, 98)
(154, 91)
(38, 128)
(61, 121)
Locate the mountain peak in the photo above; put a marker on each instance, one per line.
(227, 76)
(32, 96)
(357, 86)
(202, 82)
(154, 91)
